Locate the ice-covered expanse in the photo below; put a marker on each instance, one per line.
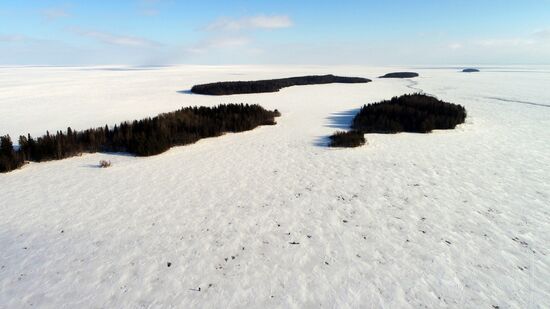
(272, 217)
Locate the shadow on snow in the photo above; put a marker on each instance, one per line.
(341, 121)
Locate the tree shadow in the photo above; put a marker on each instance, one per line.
(118, 154)
(185, 91)
(321, 141)
(341, 120)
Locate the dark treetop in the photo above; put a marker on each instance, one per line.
(408, 113)
(400, 75)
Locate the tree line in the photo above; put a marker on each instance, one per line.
(145, 137)
(271, 85)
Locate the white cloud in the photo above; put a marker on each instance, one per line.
(253, 22)
(115, 39)
(235, 36)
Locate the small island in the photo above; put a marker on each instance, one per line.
(470, 70)
(348, 139)
(400, 75)
(418, 113)
(271, 85)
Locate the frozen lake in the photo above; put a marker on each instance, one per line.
(456, 218)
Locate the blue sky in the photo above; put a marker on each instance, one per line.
(150, 32)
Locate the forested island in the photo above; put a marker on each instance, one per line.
(271, 85)
(145, 137)
(400, 75)
(419, 113)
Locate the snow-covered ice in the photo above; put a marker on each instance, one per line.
(272, 217)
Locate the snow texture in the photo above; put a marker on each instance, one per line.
(272, 217)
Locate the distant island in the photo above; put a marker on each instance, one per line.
(470, 70)
(271, 85)
(400, 75)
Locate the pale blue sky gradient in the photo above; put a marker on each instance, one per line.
(149, 32)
